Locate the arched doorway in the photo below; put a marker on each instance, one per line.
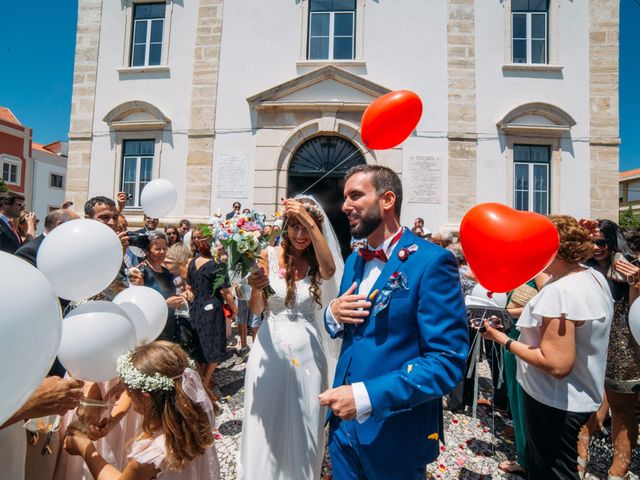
(311, 161)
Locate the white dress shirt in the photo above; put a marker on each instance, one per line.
(372, 270)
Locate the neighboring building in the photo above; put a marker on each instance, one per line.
(253, 101)
(630, 191)
(37, 171)
(15, 155)
(49, 177)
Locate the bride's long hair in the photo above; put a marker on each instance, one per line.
(308, 254)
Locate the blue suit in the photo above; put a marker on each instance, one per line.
(408, 355)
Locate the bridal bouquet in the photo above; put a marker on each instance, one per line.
(241, 237)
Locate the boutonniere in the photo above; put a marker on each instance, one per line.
(405, 252)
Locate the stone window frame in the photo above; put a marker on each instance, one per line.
(120, 138)
(555, 156)
(15, 161)
(553, 43)
(550, 133)
(357, 61)
(128, 32)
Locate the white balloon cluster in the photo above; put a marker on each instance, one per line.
(96, 333)
(77, 260)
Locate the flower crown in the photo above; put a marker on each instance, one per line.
(137, 380)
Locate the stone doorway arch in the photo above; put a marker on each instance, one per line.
(319, 165)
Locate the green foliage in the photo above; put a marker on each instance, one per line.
(220, 278)
(628, 219)
(3, 186)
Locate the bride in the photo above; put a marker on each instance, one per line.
(292, 360)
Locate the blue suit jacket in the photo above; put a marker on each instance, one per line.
(408, 356)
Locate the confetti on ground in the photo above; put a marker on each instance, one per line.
(471, 451)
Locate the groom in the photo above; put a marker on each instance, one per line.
(402, 319)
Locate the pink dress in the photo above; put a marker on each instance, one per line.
(113, 448)
(153, 451)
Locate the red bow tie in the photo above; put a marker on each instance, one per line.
(368, 255)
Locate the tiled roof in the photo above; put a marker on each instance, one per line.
(630, 173)
(39, 146)
(8, 116)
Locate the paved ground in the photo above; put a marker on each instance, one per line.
(473, 451)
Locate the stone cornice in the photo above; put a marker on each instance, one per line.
(605, 141)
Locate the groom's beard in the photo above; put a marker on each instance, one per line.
(367, 223)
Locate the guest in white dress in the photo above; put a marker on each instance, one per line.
(561, 354)
(289, 366)
(176, 441)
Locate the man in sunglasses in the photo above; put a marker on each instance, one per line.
(235, 211)
(11, 204)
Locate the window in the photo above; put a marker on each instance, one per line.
(633, 192)
(531, 178)
(10, 170)
(529, 28)
(148, 28)
(137, 163)
(332, 25)
(56, 181)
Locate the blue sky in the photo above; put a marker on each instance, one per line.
(38, 44)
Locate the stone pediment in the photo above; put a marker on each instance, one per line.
(136, 115)
(537, 118)
(326, 87)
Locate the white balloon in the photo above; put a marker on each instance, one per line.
(94, 335)
(146, 309)
(634, 320)
(158, 198)
(30, 328)
(497, 299)
(80, 258)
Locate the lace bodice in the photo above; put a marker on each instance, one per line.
(305, 305)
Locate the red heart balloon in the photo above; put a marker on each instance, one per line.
(505, 247)
(390, 119)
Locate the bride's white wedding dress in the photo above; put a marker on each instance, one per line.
(283, 427)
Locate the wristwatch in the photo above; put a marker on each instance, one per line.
(507, 345)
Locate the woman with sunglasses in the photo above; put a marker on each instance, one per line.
(561, 354)
(173, 235)
(612, 257)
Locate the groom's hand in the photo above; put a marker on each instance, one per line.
(350, 308)
(341, 401)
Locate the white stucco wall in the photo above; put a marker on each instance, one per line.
(400, 52)
(499, 92)
(168, 91)
(404, 47)
(45, 196)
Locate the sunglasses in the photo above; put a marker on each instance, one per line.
(493, 321)
(600, 243)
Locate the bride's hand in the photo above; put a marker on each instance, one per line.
(296, 208)
(258, 280)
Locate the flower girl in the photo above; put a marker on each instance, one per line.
(176, 441)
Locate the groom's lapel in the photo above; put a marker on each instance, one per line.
(392, 264)
(358, 271)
